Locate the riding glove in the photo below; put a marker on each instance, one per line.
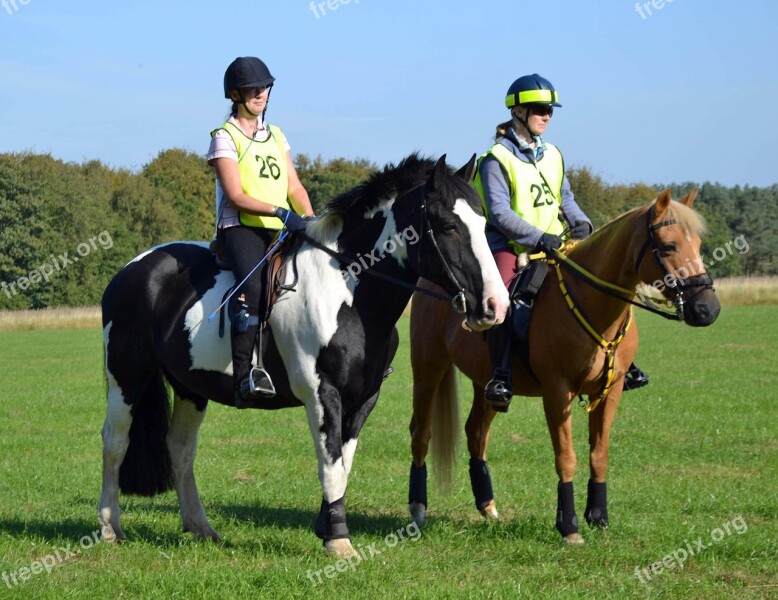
(292, 221)
(548, 242)
(580, 230)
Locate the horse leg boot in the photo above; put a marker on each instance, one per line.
(498, 391)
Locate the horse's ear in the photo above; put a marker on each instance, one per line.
(438, 174)
(467, 171)
(663, 201)
(688, 199)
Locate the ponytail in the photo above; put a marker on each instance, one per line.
(502, 129)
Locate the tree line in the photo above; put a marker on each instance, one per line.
(66, 228)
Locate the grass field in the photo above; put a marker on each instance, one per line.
(693, 456)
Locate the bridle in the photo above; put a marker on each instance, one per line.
(458, 300)
(682, 286)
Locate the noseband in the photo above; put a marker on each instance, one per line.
(681, 286)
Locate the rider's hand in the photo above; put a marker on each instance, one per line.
(580, 230)
(292, 221)
(548, 242)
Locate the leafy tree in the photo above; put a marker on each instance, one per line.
(189, 183)
(325, 180)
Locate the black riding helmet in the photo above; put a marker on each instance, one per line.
(246, 72)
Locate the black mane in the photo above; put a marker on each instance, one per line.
(412, 171)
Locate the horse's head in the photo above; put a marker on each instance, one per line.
(452, 250)
(673, 237)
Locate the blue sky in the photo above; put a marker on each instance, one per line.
(685, 93)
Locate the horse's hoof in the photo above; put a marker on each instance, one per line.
(489, 512)
(341, 548)
(112, 535)
(573, 539)
(418, 512)
(205, 533)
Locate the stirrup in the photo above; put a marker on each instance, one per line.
(257, 386)
(260, 383)
(635, 378)
(497, 391)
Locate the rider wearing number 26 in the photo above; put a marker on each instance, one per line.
(527, 200)
(257, 193)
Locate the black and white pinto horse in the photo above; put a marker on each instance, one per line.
(327, 345)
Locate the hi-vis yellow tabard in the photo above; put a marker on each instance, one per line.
(263, 172)
(536, 190)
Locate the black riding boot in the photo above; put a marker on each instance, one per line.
(635, 378)
(498, 390)
(252, 384)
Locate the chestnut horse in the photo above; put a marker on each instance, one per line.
(659, 242)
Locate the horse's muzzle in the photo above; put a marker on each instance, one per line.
(493, 309)
(703, 310)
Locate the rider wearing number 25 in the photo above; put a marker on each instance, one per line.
(257, 193)
(528, 202)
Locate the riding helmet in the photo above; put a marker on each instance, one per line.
(244, 72)
(531, 89)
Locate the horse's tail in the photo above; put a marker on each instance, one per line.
(147, 470)
(445, 429)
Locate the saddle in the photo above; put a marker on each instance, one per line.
(273, 274)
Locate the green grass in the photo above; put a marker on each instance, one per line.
(689, 453)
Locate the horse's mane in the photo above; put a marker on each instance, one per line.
(383, 186)
(688, 218)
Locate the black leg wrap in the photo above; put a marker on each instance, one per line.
(566, 519)
(331, 522)
(481, 483)
(596, 513)
(417, 489)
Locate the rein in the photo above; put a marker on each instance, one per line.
(613, 290)
(458, 300)
(345, 259)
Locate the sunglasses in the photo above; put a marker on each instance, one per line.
(542, 110)
(256, 91)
